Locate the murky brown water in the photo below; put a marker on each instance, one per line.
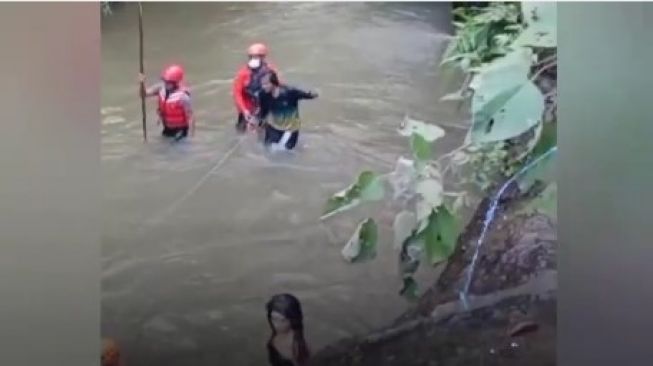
(191, 252)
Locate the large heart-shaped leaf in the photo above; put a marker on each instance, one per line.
(368, 187)
(421, 148)
(542, 20)
(402, 179)
(431, 191)
(440, 235)
(362, 245)
(428, 131)
(403, 227)
(547, 139)
(505, 103)
(516, 65)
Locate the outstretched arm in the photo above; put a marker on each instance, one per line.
(301, 94)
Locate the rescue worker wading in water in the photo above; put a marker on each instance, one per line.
(247, 86)
(174, 110)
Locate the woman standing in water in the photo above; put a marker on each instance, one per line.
(279, 111)
(286, 346)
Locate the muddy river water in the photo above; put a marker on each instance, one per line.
(198, 235)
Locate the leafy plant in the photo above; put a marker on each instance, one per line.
(425, 225)
(483, 34)
(368, 187)
(105, 6)
(362, 245)
(505, 48)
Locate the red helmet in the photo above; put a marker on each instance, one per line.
(174, 73)
(257, 49)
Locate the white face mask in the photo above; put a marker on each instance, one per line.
(254, 63)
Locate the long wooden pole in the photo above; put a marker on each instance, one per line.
(142, 69)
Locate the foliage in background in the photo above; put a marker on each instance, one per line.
(483, 34)
(106, 8)
(504, 49)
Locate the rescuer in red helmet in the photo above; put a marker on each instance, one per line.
(247, 85)
(175, 112)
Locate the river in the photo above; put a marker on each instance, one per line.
(198, 235)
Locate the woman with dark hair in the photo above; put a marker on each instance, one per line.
(279, 111)
(110, 353)
(286, 346)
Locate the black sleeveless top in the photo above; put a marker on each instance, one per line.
(277, 359)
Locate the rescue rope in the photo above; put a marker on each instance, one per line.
(179, 201)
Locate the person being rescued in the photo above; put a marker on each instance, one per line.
(175, 112)
(247, 86)
(279, 111)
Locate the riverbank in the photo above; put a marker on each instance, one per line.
(511, 319)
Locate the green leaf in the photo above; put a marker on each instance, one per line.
(403, 227)
(368, 187)
(402, 179)
(422, 209)
(440, 235)
(362, 245)
(429, 132)
(514, 27)
(409, 289)
(512, 68)
(546, 202)
(536, 37)
(421, 148)
(522, 112)
(536, 13)
(541, 19)
(372, 187)
(451, 52)
(505, 103)
(410, 254)
(431, 192)
(548, 139)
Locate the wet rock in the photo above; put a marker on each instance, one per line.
(517, 247)
(473, 338)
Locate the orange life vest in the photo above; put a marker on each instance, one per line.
(171, 109)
